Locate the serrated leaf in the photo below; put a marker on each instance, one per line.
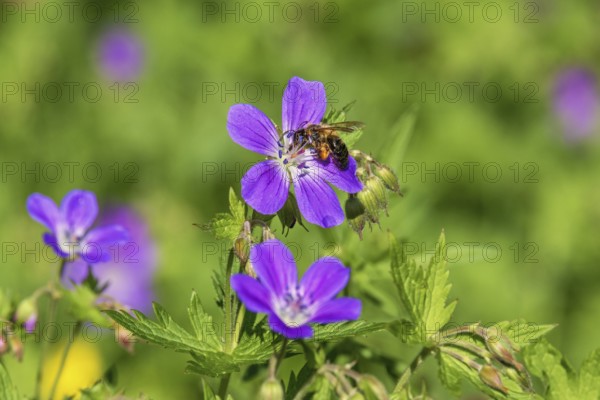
(345, 329)
(423, 290)
(81, 303)
(202, 322)
(228, 226)
(334, 116)
(562, 382)
(522, 333)
(7, 390)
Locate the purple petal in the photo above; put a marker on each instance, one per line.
(274, 265)
(75, 271)
(43, 210)
(300, 332)
(316, 200)
(79, 209)
(265, 186)
(576, 102)
(251, 128)
(324, 279)
(30, 324)
(121, 55)
(337, 310)
(50, 240)
(345, 180)
(98, 243)
(304, 102)
(251, 293)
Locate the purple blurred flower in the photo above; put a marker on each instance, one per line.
(576, 102)
(130, 271)
(121, 55)
(30, 323)
(292, 305)
(266, 185)
(69, 226)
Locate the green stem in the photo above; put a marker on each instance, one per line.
(425, 352)
(276, 359)
(229, 321)
(223, 386)
(63, 360)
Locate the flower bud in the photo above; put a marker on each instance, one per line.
(388, 177)
(491, 377)
(17, 347)
(3, 345)
(376, 187)
(124, 338)
(271, 389)
(26, 314)
(353, 207)
(370, 202)
(501, 350)
(290, 213)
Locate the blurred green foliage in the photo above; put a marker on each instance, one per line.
(545, 204)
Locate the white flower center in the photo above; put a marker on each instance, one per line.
(294, 308)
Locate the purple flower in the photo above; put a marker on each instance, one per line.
(266, 185)
(30, 323)
(130, 271)
(69, 226)
(576, 102)
(121, 55)
(292, 305)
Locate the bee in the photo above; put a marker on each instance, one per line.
(325, 140)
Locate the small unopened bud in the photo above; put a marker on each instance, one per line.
(271, 389)
(26, 314)
(353, 207)
(375, 185)
(3, 345)
(16, 347)
(370, 202)
(267, 234)
(30, 323)
(388, 177)
(124, 338)
(501, 350)
(491, 377)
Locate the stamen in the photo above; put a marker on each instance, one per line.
(280, 153)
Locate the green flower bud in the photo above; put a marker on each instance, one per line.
(353, 207)
(491, 377)
(388, 177)
(501, 349)
(26, 310)
(376, 186)
(370, 202)
(271, 389)
(290, 214)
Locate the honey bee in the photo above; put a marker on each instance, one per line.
(325, 140)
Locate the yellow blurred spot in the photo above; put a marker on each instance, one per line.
(83, 367)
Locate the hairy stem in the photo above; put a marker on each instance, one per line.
(406, 375)
(229, 321)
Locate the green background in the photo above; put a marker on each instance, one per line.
(545, 203)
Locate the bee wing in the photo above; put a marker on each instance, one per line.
(345, 126)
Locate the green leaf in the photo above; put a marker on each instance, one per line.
(7, 390)
(522, 333)
(424, 291)
(81, 302)
(333, 116)
(562, 382)
(202, 323)
(228, 226)
(345, 329)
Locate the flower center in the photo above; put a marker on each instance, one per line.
(294, 152)
(294, 308)
(68, 241)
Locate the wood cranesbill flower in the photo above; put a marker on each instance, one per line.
(69, 225)
(291, 304)
(265, 187)
(129, 273)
